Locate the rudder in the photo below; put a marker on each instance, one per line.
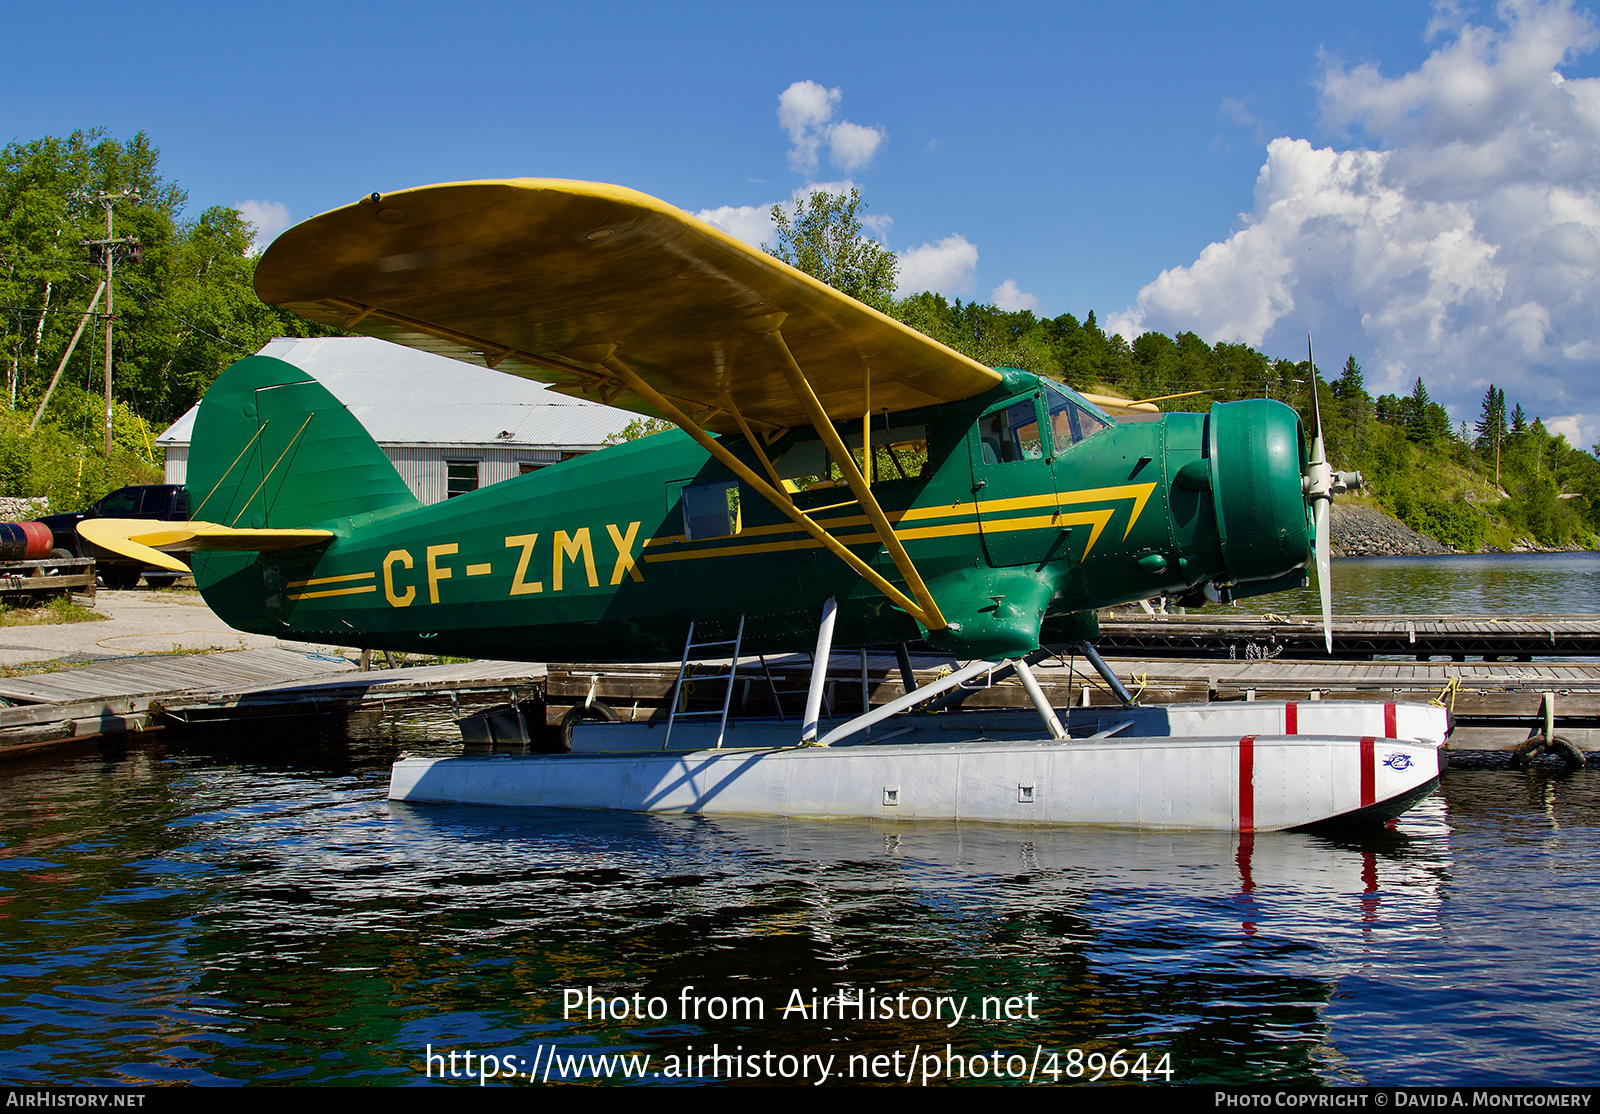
(272, 448)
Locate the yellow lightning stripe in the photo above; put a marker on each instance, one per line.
(1139, 493)
(1096, 519)
(331, 580)
(361, 591)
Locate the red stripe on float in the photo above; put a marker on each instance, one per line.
(1389, 731)
(1247, 784)
(1369, 775)
(1291, 718)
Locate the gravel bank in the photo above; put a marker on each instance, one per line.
(1369, 532)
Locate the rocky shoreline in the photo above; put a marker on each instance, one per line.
(1369, 532)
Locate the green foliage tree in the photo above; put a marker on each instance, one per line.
(1415, 413)
(824, 237)
(1351, 383)
(1491, 425)
(186, 308)
(638, 429)
(1492, 428)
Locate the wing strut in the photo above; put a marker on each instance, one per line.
(852, 475)
(923, 608)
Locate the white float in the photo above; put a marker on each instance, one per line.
(1234, 766)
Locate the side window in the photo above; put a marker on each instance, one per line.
(461, 476)
(897, 454)
(1011, 434)
(123, 501)
(711, 510)
(900, 460)
(1070, 423)
(1088, 424)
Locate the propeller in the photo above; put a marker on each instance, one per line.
(1321, 484)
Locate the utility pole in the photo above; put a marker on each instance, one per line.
(108, 255)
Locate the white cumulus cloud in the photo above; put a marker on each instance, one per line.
(269, 218)
(1009, 297)
(1462, 245)
(754, 225)
(851, 146)
(946, 267)
(805, 111)
(750, 223)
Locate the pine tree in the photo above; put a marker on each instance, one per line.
(1415, 410)
(1351, 384)
(1492, 427)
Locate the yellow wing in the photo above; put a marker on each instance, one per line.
(150, 542)
(546, 278)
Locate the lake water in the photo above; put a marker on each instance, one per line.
(1469, 584)
(254, 911)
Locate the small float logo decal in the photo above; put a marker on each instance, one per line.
(1398, 761)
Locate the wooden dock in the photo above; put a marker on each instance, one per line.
(128, 696)
(1496, 704)
(1355, 637)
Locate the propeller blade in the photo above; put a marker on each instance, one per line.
(1325, 571)
(1319, 491)
(1316, 405)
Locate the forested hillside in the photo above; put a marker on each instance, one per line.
(1501, 479)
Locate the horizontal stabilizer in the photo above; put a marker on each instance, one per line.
(1121, 407)
(150, 542)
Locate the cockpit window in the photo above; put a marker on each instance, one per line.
(1011, 434)
(1072, 417)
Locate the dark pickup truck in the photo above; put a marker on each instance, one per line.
(158, 502)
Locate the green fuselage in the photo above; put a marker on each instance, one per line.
(595, 559)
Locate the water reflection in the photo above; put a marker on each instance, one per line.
(236, 915)
(1470, 584)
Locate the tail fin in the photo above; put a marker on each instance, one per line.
(272, 449)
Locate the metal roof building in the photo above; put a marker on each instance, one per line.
(448, 426)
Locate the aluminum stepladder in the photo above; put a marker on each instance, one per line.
(689, 646)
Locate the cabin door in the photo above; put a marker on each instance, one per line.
(1014, 485)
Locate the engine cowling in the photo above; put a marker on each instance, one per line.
(1258, 458)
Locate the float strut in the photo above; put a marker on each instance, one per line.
(907, 674)
(1001, 673)
(819, 671)
(1040, 704)
(1106, 675)
(906, 702)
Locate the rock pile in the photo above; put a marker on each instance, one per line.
(1369, 532)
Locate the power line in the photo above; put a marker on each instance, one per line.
(186, 322)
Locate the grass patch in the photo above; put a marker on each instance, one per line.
(59, 609)
(33, 668)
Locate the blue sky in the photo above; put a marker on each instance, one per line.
(1406, 179)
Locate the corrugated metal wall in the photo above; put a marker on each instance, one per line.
(424, 468)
